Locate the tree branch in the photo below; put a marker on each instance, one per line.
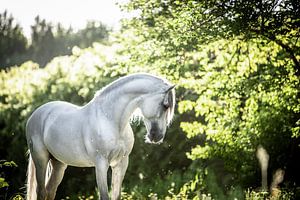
(286, 47)
(289, 50)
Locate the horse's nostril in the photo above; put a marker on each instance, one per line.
(155, 136)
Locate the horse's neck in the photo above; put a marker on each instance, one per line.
(119, 104)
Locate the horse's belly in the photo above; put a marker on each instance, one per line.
(73, 157)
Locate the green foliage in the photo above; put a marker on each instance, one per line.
(17, 197)
(281, 195)
(237, 76)
(241, 101)
(233, 96)
(6, 168)
(3, 183)
(184, 25)
(8, 164)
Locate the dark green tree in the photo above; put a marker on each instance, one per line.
(93, 32)
(12, 41)
(50, 40)
(42, 47)
(47, 40)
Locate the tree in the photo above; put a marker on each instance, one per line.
(42, 47)
(47, 40)
(238, 62)
(93, 32)
(12, 41)
(186, 24)
(50, 40)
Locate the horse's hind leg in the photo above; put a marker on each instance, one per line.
(40, 157)
(57, 173)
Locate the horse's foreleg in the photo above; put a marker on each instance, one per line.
(57, 173)
(101, 177)
(118, 173)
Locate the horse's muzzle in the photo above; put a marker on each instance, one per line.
(155, 137)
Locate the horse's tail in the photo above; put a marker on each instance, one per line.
(31, 180)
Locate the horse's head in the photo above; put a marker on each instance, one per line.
(158, 110)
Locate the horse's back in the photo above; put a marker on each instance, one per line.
(46, 112)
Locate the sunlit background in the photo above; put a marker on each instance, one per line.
(67, 12)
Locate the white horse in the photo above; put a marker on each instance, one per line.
(95, 135)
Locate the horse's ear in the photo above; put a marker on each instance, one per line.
(167, 102)
(170, 88)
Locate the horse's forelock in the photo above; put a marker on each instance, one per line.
(171, 99)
